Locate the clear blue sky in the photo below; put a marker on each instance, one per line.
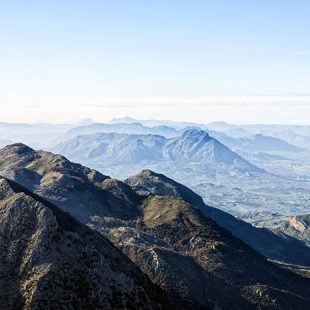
(105, 57)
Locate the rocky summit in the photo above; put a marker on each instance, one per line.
(161, 225)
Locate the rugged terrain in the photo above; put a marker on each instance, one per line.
(277, 245)
(163, 228)
(296, 226)
(51, 261)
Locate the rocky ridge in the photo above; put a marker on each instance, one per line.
(164, 232)
(49, 260)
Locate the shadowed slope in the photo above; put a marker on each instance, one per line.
(49, 260)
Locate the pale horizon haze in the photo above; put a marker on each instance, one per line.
(200, 61)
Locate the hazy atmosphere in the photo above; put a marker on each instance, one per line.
(155, 155)
(150, 59)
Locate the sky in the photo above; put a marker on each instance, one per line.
(198, 60)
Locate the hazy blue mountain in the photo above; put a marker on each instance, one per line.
(156, 123)
(113, 148)
(225, 127)
(269, 157)
(298, 135)
(192, 146)
(220, 126)
(255, 143)
(262, 143)
(198, 146)
(36, 135)
(129, 128)
(224, 138)
(228, 134)
(302, 141)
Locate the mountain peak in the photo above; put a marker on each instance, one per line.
(158, 184)
(18, 148)
(148, 172)
(195, 133)
(197, 145)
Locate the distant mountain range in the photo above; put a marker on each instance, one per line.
(48, 135)
(298, 135)
(193, 145)
(156, 123)
(37, 135)
(257, 143)
(113, 148)
(161, 225)
(262, 143)
(132, 128)
(292, 132)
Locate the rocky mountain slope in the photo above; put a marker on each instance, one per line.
(193, 145)
(163, 231)
(49, 260)
(296, 226)
(279, 247)
(73, 187)
(86, 193)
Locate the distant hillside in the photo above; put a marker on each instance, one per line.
(41, 135)
(155, 123)
(298, 135)
(256, 143)
(128, 128)
(193, 145)
(197, 145)
(262, 143)
(113, 148)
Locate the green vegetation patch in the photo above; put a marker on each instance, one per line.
(160, 210)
